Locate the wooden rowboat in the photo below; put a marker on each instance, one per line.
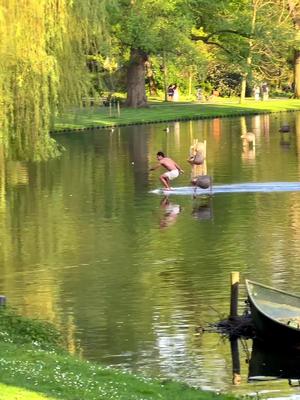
(275, 313)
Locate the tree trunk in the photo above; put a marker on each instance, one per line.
(243, 88)
(151, 78)
(165, 74)
(190, 74)
(249, 58)
(295, 10)
(297, 74)
(136, 92)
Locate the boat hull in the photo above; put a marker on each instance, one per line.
(273, 362)
(275, 314)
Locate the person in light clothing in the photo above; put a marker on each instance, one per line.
(173, 169)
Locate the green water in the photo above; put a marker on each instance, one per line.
(128, 276)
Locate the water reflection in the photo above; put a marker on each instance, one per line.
(285, 140)
(268, 363)
(249, 138)
(203, 208)
(170, 212)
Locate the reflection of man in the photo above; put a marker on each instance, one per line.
(171, 212)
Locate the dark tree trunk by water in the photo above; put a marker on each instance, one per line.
(151, 78)
(295, 10)
(297, 74)
(136, 92)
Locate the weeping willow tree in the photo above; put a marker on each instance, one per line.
(43, 48)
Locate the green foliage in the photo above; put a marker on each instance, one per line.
(43, 47)
(54, 53)
(21, 330)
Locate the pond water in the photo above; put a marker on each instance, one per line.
(129, 275)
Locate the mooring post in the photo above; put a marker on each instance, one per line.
(234, 293)
(235, 358)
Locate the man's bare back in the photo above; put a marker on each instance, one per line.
(169, 164)
(173, 169)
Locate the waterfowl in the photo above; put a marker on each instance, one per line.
(285, 128)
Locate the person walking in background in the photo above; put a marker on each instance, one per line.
(200, 95)
(265, 91)
(176, 93)
(173, 169)
(256, 92)
(170, 92)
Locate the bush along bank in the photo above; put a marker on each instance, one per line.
(33, 357)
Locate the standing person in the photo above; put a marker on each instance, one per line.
(176, 93)
(170, 92)
(256, 92)
(265, 91)
(173, 169)
(199, 94)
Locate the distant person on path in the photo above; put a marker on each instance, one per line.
(173, 169)
(170, 92)
(200, 96)
(265, 91)
(176, 93)
(256, 92)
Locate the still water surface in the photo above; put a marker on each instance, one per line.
(128, 275)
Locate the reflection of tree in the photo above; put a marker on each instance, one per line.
(297, 131)
(2, 179)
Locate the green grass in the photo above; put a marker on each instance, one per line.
(98, 116)
(14, 393)
(33, 365)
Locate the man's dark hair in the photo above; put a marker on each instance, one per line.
(160, 153)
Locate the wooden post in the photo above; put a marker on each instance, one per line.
(234, 295)
(235, 358)
(118, 109)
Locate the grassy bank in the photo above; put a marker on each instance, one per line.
(99, 116)
(34, 365)
(15, 393)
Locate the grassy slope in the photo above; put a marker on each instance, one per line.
(30, 358)
(99, 116)
(14, 393)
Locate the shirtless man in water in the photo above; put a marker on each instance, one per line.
(173, 169)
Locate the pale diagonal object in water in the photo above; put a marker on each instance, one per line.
(253, 187)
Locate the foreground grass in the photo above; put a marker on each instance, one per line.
(98, 116)
(32, 359)
(14, 393)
